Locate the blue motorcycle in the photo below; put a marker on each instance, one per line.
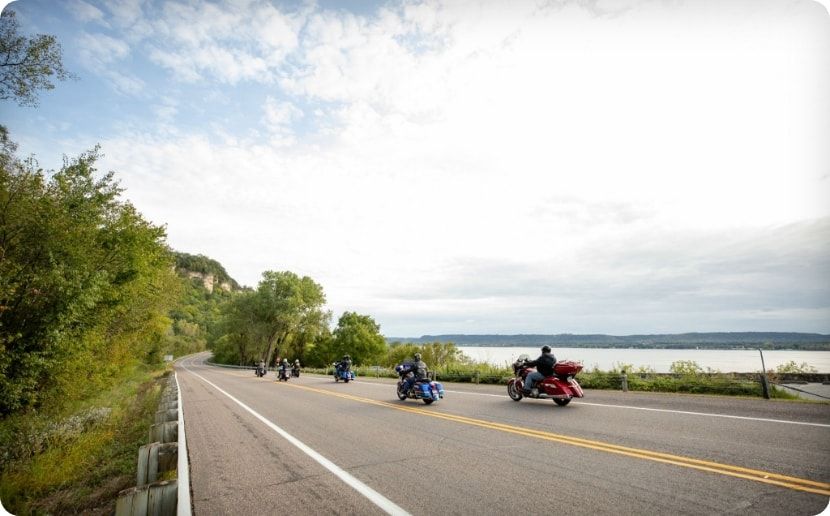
(343, 374)
(423, 389)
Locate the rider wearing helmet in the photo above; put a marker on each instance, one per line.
(544, 367)
(419, 372)
(345, 364)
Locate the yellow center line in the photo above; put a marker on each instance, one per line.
(799, 484)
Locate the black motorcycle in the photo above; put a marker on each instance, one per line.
(295, 371)
(260, 371)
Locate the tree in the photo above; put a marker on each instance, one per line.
(288, 307)
(27, 64)
(359, 336)
(85, 281)
(282, 315)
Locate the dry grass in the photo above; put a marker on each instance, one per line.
(80, 467)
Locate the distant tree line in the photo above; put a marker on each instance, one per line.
(714, 340)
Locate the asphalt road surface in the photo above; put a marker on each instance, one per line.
(313, 446)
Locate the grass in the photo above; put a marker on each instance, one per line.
(705, 383)
(77, 460)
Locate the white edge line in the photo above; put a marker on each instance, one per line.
(373, 496)
(182, 468)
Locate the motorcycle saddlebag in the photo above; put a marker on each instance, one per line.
(567, 367)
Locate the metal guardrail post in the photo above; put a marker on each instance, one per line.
(155, 498)
(624, 381)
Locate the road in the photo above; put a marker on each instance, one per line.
(313, 446)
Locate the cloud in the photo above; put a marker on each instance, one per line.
(99, 50)
(278, 118)
(85, 12)
(195, 41)
(100, 53)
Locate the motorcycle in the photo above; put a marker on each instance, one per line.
(343, 374)
(295, 371)
(562, 387)
(282, 374)
(423, 389)
(260, 371)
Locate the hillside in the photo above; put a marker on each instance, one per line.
(205, 285)
(210, 272)
(719, 340)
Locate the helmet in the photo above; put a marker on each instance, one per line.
(545, 349)
(285, 360)
(346, 357)
(297, 361)
(417, 356)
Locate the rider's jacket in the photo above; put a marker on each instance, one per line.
(419, 369)
(344, 365)
(544, 364)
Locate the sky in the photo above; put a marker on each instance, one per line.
(618, 167)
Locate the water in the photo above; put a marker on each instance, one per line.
(723, 360)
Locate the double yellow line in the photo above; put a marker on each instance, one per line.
(799, 484)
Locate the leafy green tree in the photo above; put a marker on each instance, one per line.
(85, 281)
(793, 367)
(288, 307)
(359, 336)
(435, 354)
(27, 64)
(284, 315)
(398, 353)
(686, 368)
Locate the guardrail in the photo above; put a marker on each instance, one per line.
(158, 492)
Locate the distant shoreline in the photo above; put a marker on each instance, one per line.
(709, 341)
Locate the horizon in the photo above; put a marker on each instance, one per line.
(470, 167)
(428, 335)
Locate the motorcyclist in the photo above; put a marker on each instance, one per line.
(296, 369)
(261, 367)
(544, 367)
(284, 368)
(345, 364)
(419, 371)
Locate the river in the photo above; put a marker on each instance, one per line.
(726, 360)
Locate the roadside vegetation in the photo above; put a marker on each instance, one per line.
(76, 458)
(685, 376)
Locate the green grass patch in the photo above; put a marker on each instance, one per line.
(79, 458)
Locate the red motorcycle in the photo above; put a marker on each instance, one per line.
(562, 387)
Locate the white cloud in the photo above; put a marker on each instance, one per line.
(230, 43)
(85, 12)
(278, 118)
(99, 50)
(100, 53)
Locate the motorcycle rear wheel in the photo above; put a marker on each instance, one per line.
(513, 392)
(562, 402)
